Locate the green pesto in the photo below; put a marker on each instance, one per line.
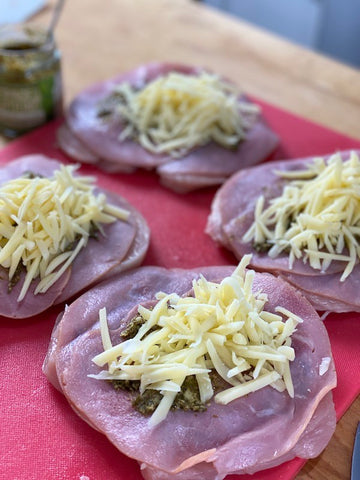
(16, 277)
(133, 327)
(94, 230)
(262, 247)
(31, 175)
(107, 106)
(188, 399)
(30, 79)
(25, 55)
(127, 385)
(147, 402)
(189, 396)
(265, 246)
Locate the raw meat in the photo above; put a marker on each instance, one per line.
(232, 213)
(122, 246)
(249, 434)
(89, 138)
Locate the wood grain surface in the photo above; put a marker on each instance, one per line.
(99, 39)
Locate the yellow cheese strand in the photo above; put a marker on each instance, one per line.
(45, 222)
(317, 216)
(176, 112)
(223, 327)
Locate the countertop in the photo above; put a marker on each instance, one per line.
(100, 39)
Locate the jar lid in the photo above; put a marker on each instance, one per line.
(20, 39)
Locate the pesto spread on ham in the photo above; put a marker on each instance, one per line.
(50, 216)
(191, 126)
(243, 435)
(220, 328)
(299, 219)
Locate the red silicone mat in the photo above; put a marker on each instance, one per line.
(41, 438)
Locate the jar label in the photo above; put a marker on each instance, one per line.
(25, 106)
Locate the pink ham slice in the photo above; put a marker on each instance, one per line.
(123, 246)
(212, 165)
(232, 213)
(89, 138)
(327, 293)
(250, 434)
(73, 147)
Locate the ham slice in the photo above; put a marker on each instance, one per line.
(89, 138)
(249, 434)
(232, 213)
(123, 246)
(73, 147)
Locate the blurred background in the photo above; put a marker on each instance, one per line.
(331, 27)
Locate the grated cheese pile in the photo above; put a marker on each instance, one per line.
(178, 112)
(317, 216)
(45, 222)
(222, 327)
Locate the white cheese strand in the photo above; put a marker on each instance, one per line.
(177, 112)
(317, 216)
(223, 327)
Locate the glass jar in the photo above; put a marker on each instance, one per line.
(30, 79)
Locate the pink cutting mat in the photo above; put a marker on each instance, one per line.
(41, 438)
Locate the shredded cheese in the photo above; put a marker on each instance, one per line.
(45, 222)
(317, 216)
(176, 112)
(222, 327)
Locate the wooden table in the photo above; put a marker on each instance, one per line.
(101, 38)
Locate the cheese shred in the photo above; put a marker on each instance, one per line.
(46, 222)
(176, 112)
(316, 218)
(222, 328)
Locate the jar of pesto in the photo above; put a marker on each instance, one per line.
(30, 79)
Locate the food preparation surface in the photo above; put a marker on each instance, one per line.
(41, 435)
(98, 43)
